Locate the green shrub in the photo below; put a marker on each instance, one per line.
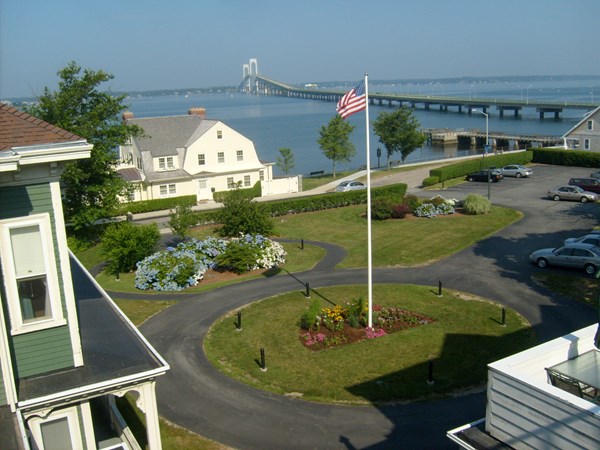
(430, 181)
(124, 244)
(159, 204)
(310, 317)
(241, 215)
(412, 201)
(563, 157)
(238, 257)
(436, 200)
(381, 208)
(476, 204)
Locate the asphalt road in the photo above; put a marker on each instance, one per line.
(196, 396)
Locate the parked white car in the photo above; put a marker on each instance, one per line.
(516, 170)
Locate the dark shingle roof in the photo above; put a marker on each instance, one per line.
(19, 129)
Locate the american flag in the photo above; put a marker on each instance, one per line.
(353, 101)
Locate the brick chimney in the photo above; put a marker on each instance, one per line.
(197, 111)
(127, 115)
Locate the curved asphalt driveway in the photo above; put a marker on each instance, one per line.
(196, 396)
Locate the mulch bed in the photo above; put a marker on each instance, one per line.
(349, 335)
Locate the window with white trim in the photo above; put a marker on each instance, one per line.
(586, 144)
(138, 163)
(166, 163)
(60, 430)
(221, 157)
(230, 183)
(246, 180)
(167, 190)
(590, 124)
(201, 159)
(30, 275)
(239, 155)
(219, 134)
(261, 175)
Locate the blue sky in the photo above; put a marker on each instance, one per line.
(149, 44)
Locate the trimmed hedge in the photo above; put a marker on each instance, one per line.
(253, 192)
(563, 157)
(158, 204)
(463, 168)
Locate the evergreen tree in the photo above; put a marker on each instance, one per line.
(286, 160)
(335, 141)
(91, 186)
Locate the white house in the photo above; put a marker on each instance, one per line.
(547, 397)
(192, 155)
(585, 135)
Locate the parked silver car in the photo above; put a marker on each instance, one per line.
(350, 186)
(516, 170)
(572, 193)
(580, 256)
(593, 239)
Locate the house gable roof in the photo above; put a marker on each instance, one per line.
(164, 135)
(587, 117)
(19, 129)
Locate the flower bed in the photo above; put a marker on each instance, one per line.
(180, 267)
(333, 326)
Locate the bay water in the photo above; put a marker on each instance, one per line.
(277, 122)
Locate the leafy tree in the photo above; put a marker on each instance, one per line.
(182, 219)
(286, 160)
(335, 141)
(398, 131)
(124, 244)
(241, 215)
(91, 186)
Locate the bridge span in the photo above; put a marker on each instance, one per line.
(256, 84)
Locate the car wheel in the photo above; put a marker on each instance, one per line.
(542, 263)
(590, 269)
(519, 175)
(556, 198)
(584, 199)
(471, 179)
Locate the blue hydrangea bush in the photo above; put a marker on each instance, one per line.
(435, 206)
(180, 267)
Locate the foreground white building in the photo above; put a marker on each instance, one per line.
(192, 155)
(585, 135)
(547, 397)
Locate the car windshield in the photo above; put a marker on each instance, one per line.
(578, 189)
(344, 183)
(595, 250)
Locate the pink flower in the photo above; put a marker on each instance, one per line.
(372, 333)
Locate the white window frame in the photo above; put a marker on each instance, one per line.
(219, 134)
(586, 144)
(167, 190)
(590, 124)
(239, 154)
(35, 426)
(56, 318)
(201, 159)
(138, 162)
(247, 180)
(221, 157)
(261, 175)
(166, 163)
(230, 183)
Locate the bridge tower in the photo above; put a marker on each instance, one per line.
(249, 72)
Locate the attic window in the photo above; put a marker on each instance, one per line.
(219, 134)
(590, 124)
(30, 273)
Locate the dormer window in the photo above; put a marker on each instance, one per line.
(166, 163)
(30, 274)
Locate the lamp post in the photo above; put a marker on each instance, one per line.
(487, 145)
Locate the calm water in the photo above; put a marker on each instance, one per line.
(276, 122)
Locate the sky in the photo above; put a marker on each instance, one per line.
(175, 44)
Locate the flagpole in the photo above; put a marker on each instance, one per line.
(369, 250)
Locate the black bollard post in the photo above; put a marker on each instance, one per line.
(430, 373)
(307, 293)
(239, 321)
(301, 244)
(503, 317)
(439, 288)
(263, 364)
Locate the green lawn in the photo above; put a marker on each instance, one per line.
(466, 335)
(402, 242)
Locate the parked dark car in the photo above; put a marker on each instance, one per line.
(595, 175)
(587, 184)
(482, 175)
